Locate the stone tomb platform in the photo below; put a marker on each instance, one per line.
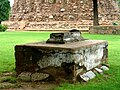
(44, 61)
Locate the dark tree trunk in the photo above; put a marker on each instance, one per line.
(0, 22)
(95, 13)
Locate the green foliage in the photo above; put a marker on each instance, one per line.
(115, 23)
(52, 1)
(3, 28)
(119, 2)
(4, 10)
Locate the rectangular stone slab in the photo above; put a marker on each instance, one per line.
(67, 46)
(60, 60)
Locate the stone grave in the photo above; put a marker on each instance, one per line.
(65, 55)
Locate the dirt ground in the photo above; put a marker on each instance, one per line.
(9, 82)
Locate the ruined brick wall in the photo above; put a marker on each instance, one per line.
(62, 10)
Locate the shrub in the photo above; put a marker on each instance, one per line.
(4, 10)
(3, 28)
(115, 23)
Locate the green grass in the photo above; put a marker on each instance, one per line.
(8, 40)
(10, 79)
(109, 81)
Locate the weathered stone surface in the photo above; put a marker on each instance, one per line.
(25, 76)
(39, 76)
(62, 38)
(59, 25)
(6, 85)
(83, 25)
(78, 71)
(80, 55)
(104, 68)
(51, 17)
(99, 70)
(104, 29)
(89, 57)
(62, 9)
(88, 75)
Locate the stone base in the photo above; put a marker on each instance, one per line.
(104, 30)
(48, 26)
(58, 61)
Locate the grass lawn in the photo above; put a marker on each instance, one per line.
(109, 81)
(7, 42)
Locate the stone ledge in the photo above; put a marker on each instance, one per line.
(69, 46)
(104, 29)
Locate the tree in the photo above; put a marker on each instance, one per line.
(4, 10)
(95, 11)
(119, 3)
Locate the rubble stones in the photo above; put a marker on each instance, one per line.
(51, 16)
(91, 74)
(88, 75)
(62, 10)
(99, 70)
(39, 76)
(78, 71)
(104, 68)
(28, 76)
(62, 38)
(25, 76)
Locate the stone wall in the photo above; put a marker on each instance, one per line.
(54, 25)
(60, 14)
(104, 30)
(62, 10)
